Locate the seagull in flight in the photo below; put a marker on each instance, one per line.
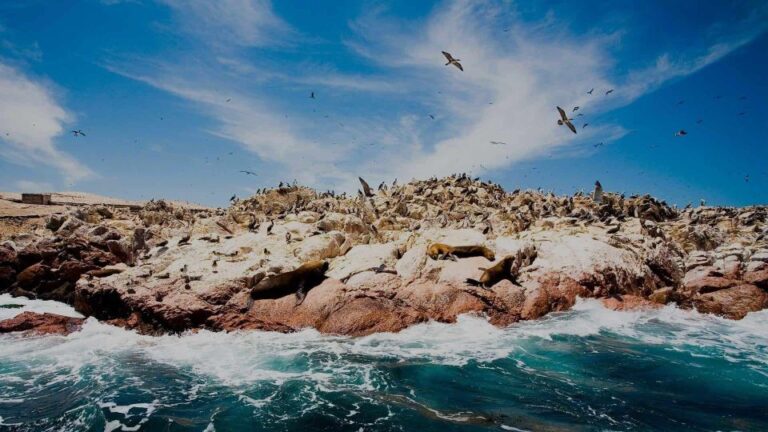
(564, 120)
(609, 92)
(576, 108)
(432, 116)
(452, 61)
(681, 132)
(590, 91)
(248, 172)
(498, 143)
(312, 95)
(600, 144)
(78, 132)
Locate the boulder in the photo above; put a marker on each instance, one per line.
(41, 324)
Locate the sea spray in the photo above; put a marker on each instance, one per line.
(589, 367)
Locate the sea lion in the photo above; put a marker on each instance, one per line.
(441, 251)
(493, 275)
(299, 281)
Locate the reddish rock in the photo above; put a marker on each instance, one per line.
(33, 275)
(733, 302)
(758, 277)
(72, 270)
(45, 323)
(8, 257)
(7, 277)
(629, 303)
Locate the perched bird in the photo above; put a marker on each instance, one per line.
(681, 132)
(452, 61)
(597, 195)
(564, 120)
(288, 237)
(609, 92)
(366, 187)
(590, 91)
(576, 108)
(498, 143)
(76, 132)
(248, 172)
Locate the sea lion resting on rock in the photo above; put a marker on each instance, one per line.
(491, 276)
(441, 251)
(299, 281)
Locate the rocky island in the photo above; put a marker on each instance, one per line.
(162, 268)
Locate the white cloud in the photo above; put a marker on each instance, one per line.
(231, 22)
(256, 127)
(32, 186)
(515, 73)
(511, 83)
(30, 119)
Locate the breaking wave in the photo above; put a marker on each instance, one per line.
(588, 368)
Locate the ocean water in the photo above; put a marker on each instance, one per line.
(586, 369)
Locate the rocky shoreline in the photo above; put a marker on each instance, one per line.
(162, 268)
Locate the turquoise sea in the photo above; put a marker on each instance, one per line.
(586, 369)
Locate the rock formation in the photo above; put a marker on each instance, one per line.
(163, 269)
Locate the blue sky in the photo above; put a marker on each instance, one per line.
(177, 96)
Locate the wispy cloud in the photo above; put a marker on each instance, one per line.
(32, 186)
(240, 23)
(30, 120)
(254, 125)
(515, 74)
(512, 81)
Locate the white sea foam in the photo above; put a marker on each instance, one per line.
(332, 362)
(39, 306)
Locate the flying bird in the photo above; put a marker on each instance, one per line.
(229, 99)
(609, 92)
(590, 91)
(452, 61)
(681, 101)
(564, 120)
(579, 114)
(76, 132)
(498, 143)
(600, 144)
(576, 108)
(585, 125)
(432, 116)
(248, 172)
(681, 132)
(699, 121)
(366, 187)
(312, 95)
